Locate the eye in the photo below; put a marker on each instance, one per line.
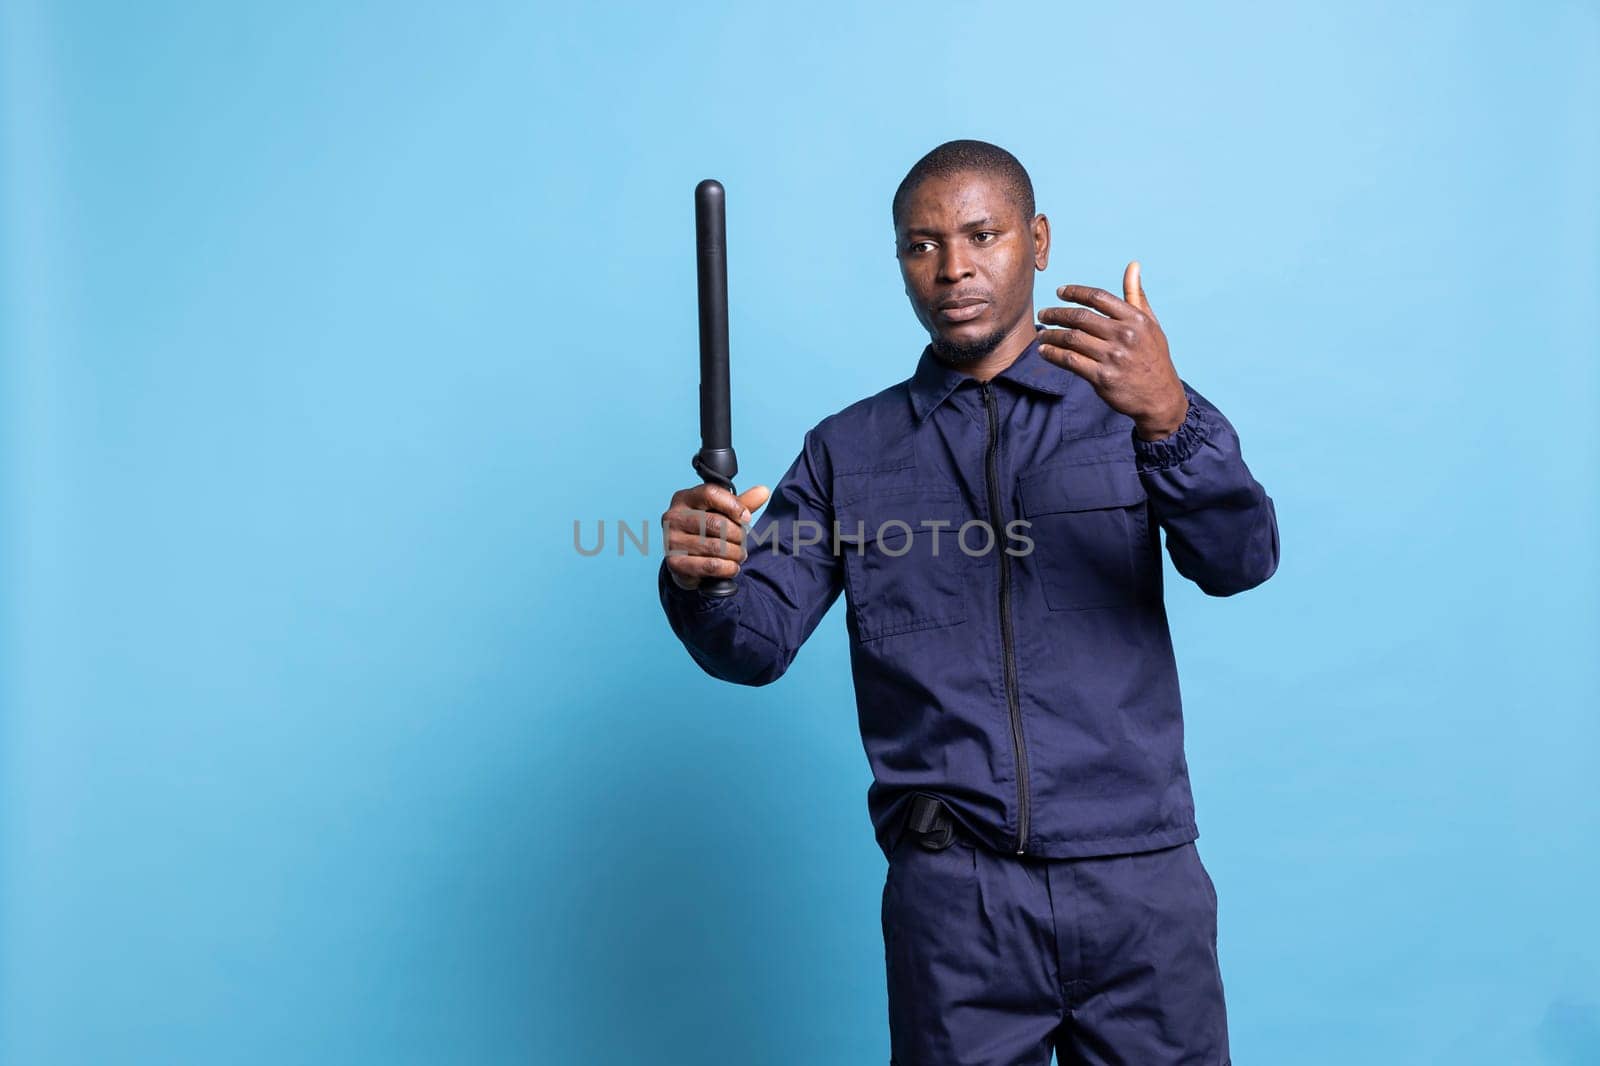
(984, 233)
(916, 245)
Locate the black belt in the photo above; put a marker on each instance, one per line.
(930, 823)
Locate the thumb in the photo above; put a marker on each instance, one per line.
(754, 497)
(1133, 288)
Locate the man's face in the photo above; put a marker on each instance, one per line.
(968, 257)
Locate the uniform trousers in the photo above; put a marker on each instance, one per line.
(996, 959)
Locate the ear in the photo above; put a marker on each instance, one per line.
(1041, 242)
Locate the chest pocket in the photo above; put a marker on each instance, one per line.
(1089, 525)
(904, 570)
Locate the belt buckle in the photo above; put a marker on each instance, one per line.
(934, 827)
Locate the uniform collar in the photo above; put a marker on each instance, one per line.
(934, 381)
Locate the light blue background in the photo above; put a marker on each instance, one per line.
(322, 744)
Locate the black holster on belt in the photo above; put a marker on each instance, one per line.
(930, 822)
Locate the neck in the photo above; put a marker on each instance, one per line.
(1004, 354)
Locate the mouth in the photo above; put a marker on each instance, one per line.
(961, 310)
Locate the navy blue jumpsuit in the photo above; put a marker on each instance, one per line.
(997, 547)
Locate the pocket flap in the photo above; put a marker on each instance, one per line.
(891, 519)
(1081, 487)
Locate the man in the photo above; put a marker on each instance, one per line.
(992, 521)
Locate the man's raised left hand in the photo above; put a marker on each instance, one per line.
(1117, 346)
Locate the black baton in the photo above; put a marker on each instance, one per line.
(715, 461)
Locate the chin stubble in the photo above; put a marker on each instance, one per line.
(967, 353)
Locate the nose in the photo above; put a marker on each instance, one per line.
(953, 263)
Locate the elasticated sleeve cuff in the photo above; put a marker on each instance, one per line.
(1183, 442)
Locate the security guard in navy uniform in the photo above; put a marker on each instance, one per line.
(992, 521)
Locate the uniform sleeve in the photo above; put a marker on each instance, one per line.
(782, 591)
(1222, 529)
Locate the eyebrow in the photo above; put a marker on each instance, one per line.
(987, 222)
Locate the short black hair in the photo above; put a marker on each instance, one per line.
(953, 157)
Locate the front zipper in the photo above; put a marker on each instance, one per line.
(1006, 639)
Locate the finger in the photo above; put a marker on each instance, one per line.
(1076, 362)
(716, 498)
(1099, 299)
(681, 581)
(702, 523)
(1084, 344)
(680, 542)
(1133, 287)
(1085, 319)
(699, 566)
(754, 497)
